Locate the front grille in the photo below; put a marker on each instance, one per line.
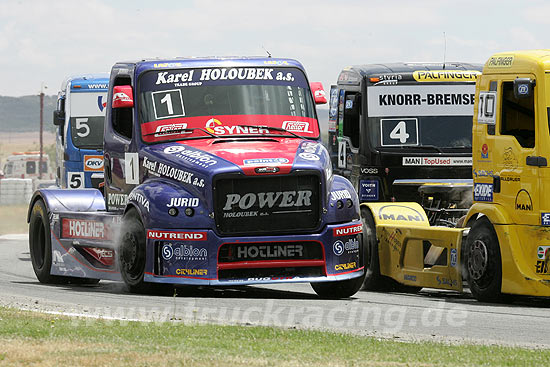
(234, 252)
(267, 205)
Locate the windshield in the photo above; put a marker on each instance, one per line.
(429, 117)
(87, 119)
(190, 103)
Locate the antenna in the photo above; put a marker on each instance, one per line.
(268, 53)
(444, 49)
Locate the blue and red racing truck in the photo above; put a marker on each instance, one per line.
(79, 117)
(214, 175)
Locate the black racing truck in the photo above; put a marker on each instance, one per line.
(403, 132)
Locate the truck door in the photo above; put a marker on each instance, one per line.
(513, 151)
(349, 106)
(121, 160)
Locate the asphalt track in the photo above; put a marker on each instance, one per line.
(428, 315)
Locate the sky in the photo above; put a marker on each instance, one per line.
(42, 42)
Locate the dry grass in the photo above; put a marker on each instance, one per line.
(13, 219)
(22, 142)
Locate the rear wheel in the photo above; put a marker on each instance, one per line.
(483, 262)
(131, 253)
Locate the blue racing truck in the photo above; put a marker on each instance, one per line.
(79, 117)
(214, 175)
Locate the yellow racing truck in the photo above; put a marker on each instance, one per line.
(502, 244)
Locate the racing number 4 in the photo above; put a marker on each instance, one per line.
(400, 132)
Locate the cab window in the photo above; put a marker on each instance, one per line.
(518, 116)
(352, 106)
(31, 167)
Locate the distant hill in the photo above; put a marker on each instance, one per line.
(21, 114)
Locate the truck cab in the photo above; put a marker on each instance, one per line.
(214, 175)
(394, 127)
(79, 117)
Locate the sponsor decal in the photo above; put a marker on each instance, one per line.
(309, 156)
(395, 212)
(121, 97)
(182, 236)
(279, 199)
(194, 156)
(93, 163)
(483, 173)
(484, 151)
(483, 192)
(218, 74)
(192, 272)
(139, 198)
(523, 201)
(265, 279)
(393, 238)
(183, 252)
(80, 228)
(346, 266)
(215, 126)
(421, 100)
(446, 281)
(257, 161)
(266, 169)
(410, 278)
(168, 65)
(170, 129)
(297, 126)
(183, 202)
(510, 178)
(100, 104)
(454, 257)
(543, 252)
(269, 251)
(117, 199)
(162, 169)
(369, 171)
(523, 89)
(368, 190)
(500, 61)
(445, 75)
(437, 161)
(347, 230)
(541, 267)
(103, 255)
(340, 194)
(510, 160)
(338, 248)
(545, 219)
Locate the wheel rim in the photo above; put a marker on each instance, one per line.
(131, 258)
(477, 261)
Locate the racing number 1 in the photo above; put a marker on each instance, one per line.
(131, 168)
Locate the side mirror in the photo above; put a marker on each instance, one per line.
(58, 117)
(123, 96)
(318, 92)
(523, 87)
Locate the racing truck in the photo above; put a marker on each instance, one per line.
(79, 117)
(501, 247)
(214, 175)
(396, 126)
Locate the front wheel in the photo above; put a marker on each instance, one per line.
(339, 289)
(131, 253)
(483, 262)
(40, 246)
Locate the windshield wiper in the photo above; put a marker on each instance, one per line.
(167, 132)
(434, 147)
(272, 128)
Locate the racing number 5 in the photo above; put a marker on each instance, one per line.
(81, 123)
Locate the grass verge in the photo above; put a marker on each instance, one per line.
(33, 339)
(13, 219)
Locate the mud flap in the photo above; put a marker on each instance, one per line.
(421, 256)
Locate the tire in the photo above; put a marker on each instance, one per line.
(339, 289)
(40, 246)
(483, 262)
(131, 253)
(374, 281)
